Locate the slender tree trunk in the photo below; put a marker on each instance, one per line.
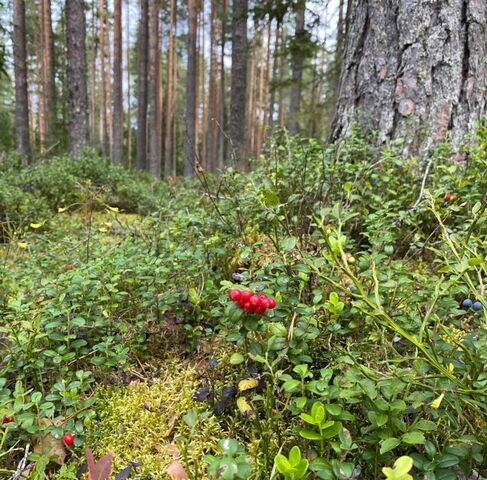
(129, 90)
(260, 107)
(251, 98)
(21, 92)
(104, 136)
(212, 141)
(222, 144)
(49, 86)
(154, 134)
(265, 101)
(76, 76)
(282, 110)
(141, 160)
(191, 89)
(239, 78)
(94, 55)
(404, 77)
(117, 132)
(297, 68)
(204, 91)
(275, 69)
(170, 100)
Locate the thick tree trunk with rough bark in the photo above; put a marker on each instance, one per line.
(76, 76)
(117, 125)
(20, 68)
(414, 71)
(143, 40)
(190, 143)
(239, 78)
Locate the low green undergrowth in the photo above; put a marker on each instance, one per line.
(371, 355)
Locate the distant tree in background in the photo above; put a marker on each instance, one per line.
(76, 77)
(22, 141)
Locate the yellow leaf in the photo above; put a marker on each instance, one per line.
(113, 209)
(437, 402)
(22, 245)
(451, 367)
(105, 314)
(247, 384)
(244, 407)
(61, 209)
(36, 225)
(103, 229)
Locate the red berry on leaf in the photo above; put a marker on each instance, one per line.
(248, 307)
(68, 439)
(260, 310)
(254, 301)
(271, 303)
(263, 301)
(7, 420)
(235, 295)
(245, 296)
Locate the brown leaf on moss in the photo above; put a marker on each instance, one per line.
(172, 450)
(176, 471)
(48, 445)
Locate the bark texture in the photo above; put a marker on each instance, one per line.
(117, 125)
(76, 76)
(413, 70)
(190, 142)
(20, 67)
(143, 40)
(239, 78)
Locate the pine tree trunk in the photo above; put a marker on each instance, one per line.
(154, 133)
(414, 71)
(222, 120)
(141, 160)
(49, 86)
(76, 77)
(169, 166)
(239, 78)
(251, 99)
(213, 111)
(104, 136)
(191, 89)
(282, 111)
(93, 92)
(129, 91)
(117, 132)
(274, 80)
(297, 69)
(21, 93)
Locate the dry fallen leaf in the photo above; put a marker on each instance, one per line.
(176, 471)
(172, 450)
(47, 444)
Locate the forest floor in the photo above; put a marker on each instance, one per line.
(282, 324)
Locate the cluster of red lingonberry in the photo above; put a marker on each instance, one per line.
(251, 302)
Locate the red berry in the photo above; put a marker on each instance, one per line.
(248, 307)
(68, 439)
(7, 420)
(260, 310)
(254, 301)
(271, 303)
(263, 301)
(245, 296)
(235, 295)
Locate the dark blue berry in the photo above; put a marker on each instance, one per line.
(467, 303)
(477, 306)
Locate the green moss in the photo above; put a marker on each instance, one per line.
(141, 421)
